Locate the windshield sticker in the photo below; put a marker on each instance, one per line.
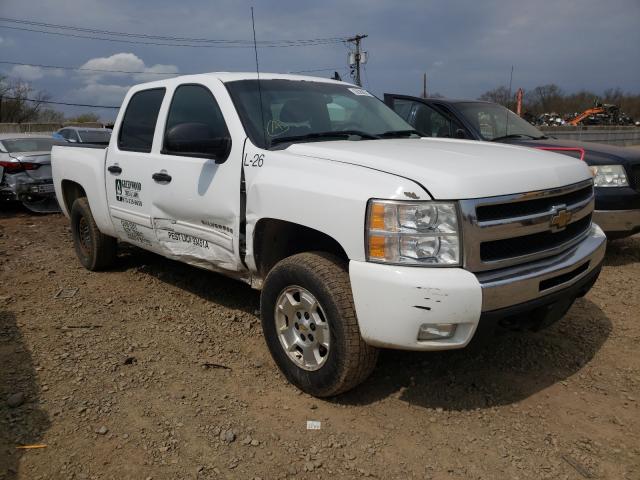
(276, 127)
(128, 192)
(360, 91)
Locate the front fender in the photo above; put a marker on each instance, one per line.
(324, 195)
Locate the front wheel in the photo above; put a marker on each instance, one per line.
(310, 325)
(95, 250)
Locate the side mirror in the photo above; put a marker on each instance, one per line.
(196, 140)
(72, 140)
(460, 133)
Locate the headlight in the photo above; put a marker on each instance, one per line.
(413, 233)
(609, 176)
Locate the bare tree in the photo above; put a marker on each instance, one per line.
(84, 118)
(20, 102)
(49, 115)
(549, 98)
(497, 95)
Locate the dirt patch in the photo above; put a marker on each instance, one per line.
(159, 370)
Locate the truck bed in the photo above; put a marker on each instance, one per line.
(83, 164)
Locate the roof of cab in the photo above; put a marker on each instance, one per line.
(226, 77)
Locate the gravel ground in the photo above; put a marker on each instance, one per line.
(156, 370)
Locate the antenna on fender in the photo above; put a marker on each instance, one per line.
(255, 48)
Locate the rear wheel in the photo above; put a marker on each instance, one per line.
(310, 325)
(95, 250)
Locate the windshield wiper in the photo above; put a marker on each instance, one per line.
(319, 135)
(513, 135)
(399, 133)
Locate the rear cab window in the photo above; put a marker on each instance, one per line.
(139, 122)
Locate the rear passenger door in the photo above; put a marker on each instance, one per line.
(128, 168)
(196, 198)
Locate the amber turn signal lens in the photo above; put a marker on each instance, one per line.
(376, 247)
(376, 222)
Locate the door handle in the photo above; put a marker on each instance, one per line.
(114, 169)
(161, 177)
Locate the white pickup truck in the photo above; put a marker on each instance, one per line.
(359, 233)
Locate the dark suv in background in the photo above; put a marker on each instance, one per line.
(616, 169)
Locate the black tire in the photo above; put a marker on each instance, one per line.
(95, 250)
(349, 359)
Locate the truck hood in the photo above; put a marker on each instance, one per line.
(455, 169)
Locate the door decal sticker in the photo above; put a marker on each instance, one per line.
(128, 191)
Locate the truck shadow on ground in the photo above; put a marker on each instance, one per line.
(207, 285)
(22, 422)
(508, 368)
(623, 252)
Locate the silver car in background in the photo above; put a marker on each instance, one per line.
(25, 171)
(98, 136)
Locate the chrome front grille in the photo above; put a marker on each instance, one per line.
(509, 230)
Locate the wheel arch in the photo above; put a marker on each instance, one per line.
(71, 191)
(274, 240)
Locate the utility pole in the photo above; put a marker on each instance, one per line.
(355, 59)
(424, 85)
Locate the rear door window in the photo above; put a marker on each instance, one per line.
(139, 122)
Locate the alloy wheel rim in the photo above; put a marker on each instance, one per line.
(302, 328)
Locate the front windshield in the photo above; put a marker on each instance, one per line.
(494, 121)
(19, 145)
(95, 136)
(296, 108)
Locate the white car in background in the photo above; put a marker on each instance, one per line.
(25, 171)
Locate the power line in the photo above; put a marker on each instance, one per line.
(58, 103)
(192, 43)
(163, 37)
(117, 40)
(327, 69)
(97, 70)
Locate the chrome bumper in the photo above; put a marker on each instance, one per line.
(617, 220)
(511, 286)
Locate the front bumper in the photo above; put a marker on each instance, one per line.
(393, 302)
(618, 209)
(618, 221)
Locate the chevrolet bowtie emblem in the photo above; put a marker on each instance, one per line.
(561, 219)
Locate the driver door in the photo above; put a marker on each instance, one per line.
(196, 198)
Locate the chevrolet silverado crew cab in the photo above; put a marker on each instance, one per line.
(359, 232)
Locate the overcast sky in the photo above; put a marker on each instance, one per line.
(466, 47)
